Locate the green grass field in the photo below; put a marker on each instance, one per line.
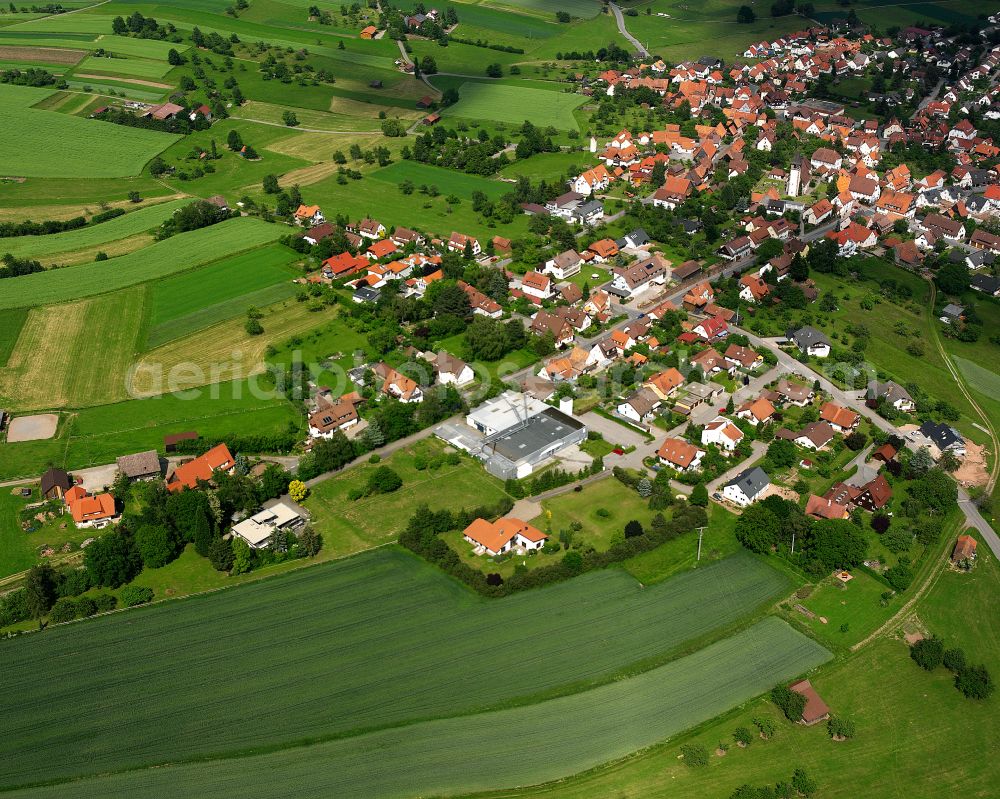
(98, 435)
(511, 747)
(129, 67)
(352, 525)
(515, 104)
(448, 181)
(59, 145)
(176, 254)
(380, 625)
(74, 355)
(908, 721)
(192, 300)
(42, 247)
(11, 322)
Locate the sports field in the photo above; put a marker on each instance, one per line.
(59, 145)
(42, 247)
(518, 746)
(192, 300)
(379, 627)
(515, 104)
(176, 254)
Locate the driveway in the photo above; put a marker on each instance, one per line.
(758, 447)
(613, 432)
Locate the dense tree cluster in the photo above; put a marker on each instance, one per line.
(193, 216)
(15, 267)
(142, 27)
(32, 76)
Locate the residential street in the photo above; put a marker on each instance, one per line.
(972, 516)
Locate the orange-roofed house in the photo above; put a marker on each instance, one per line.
(672, 193)
(537, 285)
(753, 288)
(309, 215)
(503, 535)
(680, 455)
(342, 265)
(94, 512)
(369, 32)
(823, 508)
(841, 419)
(604, 250)
(397, 385)
(189, 474)
(665, 384)
(457, 242)
(757, 412)
(382, 248)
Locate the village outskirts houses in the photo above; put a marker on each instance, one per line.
(723, 433)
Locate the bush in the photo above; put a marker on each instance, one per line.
(899, 576)
(766, 726)
(633, 529)
(383, 480)
(695, 755)
(840, 728)
(133, 595)
(297, 490)
(63, 610)
(105, 602)
(742, 736)
(928, 653)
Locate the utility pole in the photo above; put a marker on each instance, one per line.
(701, 532)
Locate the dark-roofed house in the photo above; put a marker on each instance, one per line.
(810, 341)
(815, 709)
(986, 284)
(892, 393)
(141, 465)
(815, 435)
(55, 482)
(747, 487)
(945, 437)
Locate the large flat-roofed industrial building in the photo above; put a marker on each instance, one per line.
(513, 434)
(516, 451)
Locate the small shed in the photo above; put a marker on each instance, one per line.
(55, 482)
(170, 442)
(965, 549)
(430, 119)
(815, 710)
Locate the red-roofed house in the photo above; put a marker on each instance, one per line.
(503, 535)
(187, 475)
